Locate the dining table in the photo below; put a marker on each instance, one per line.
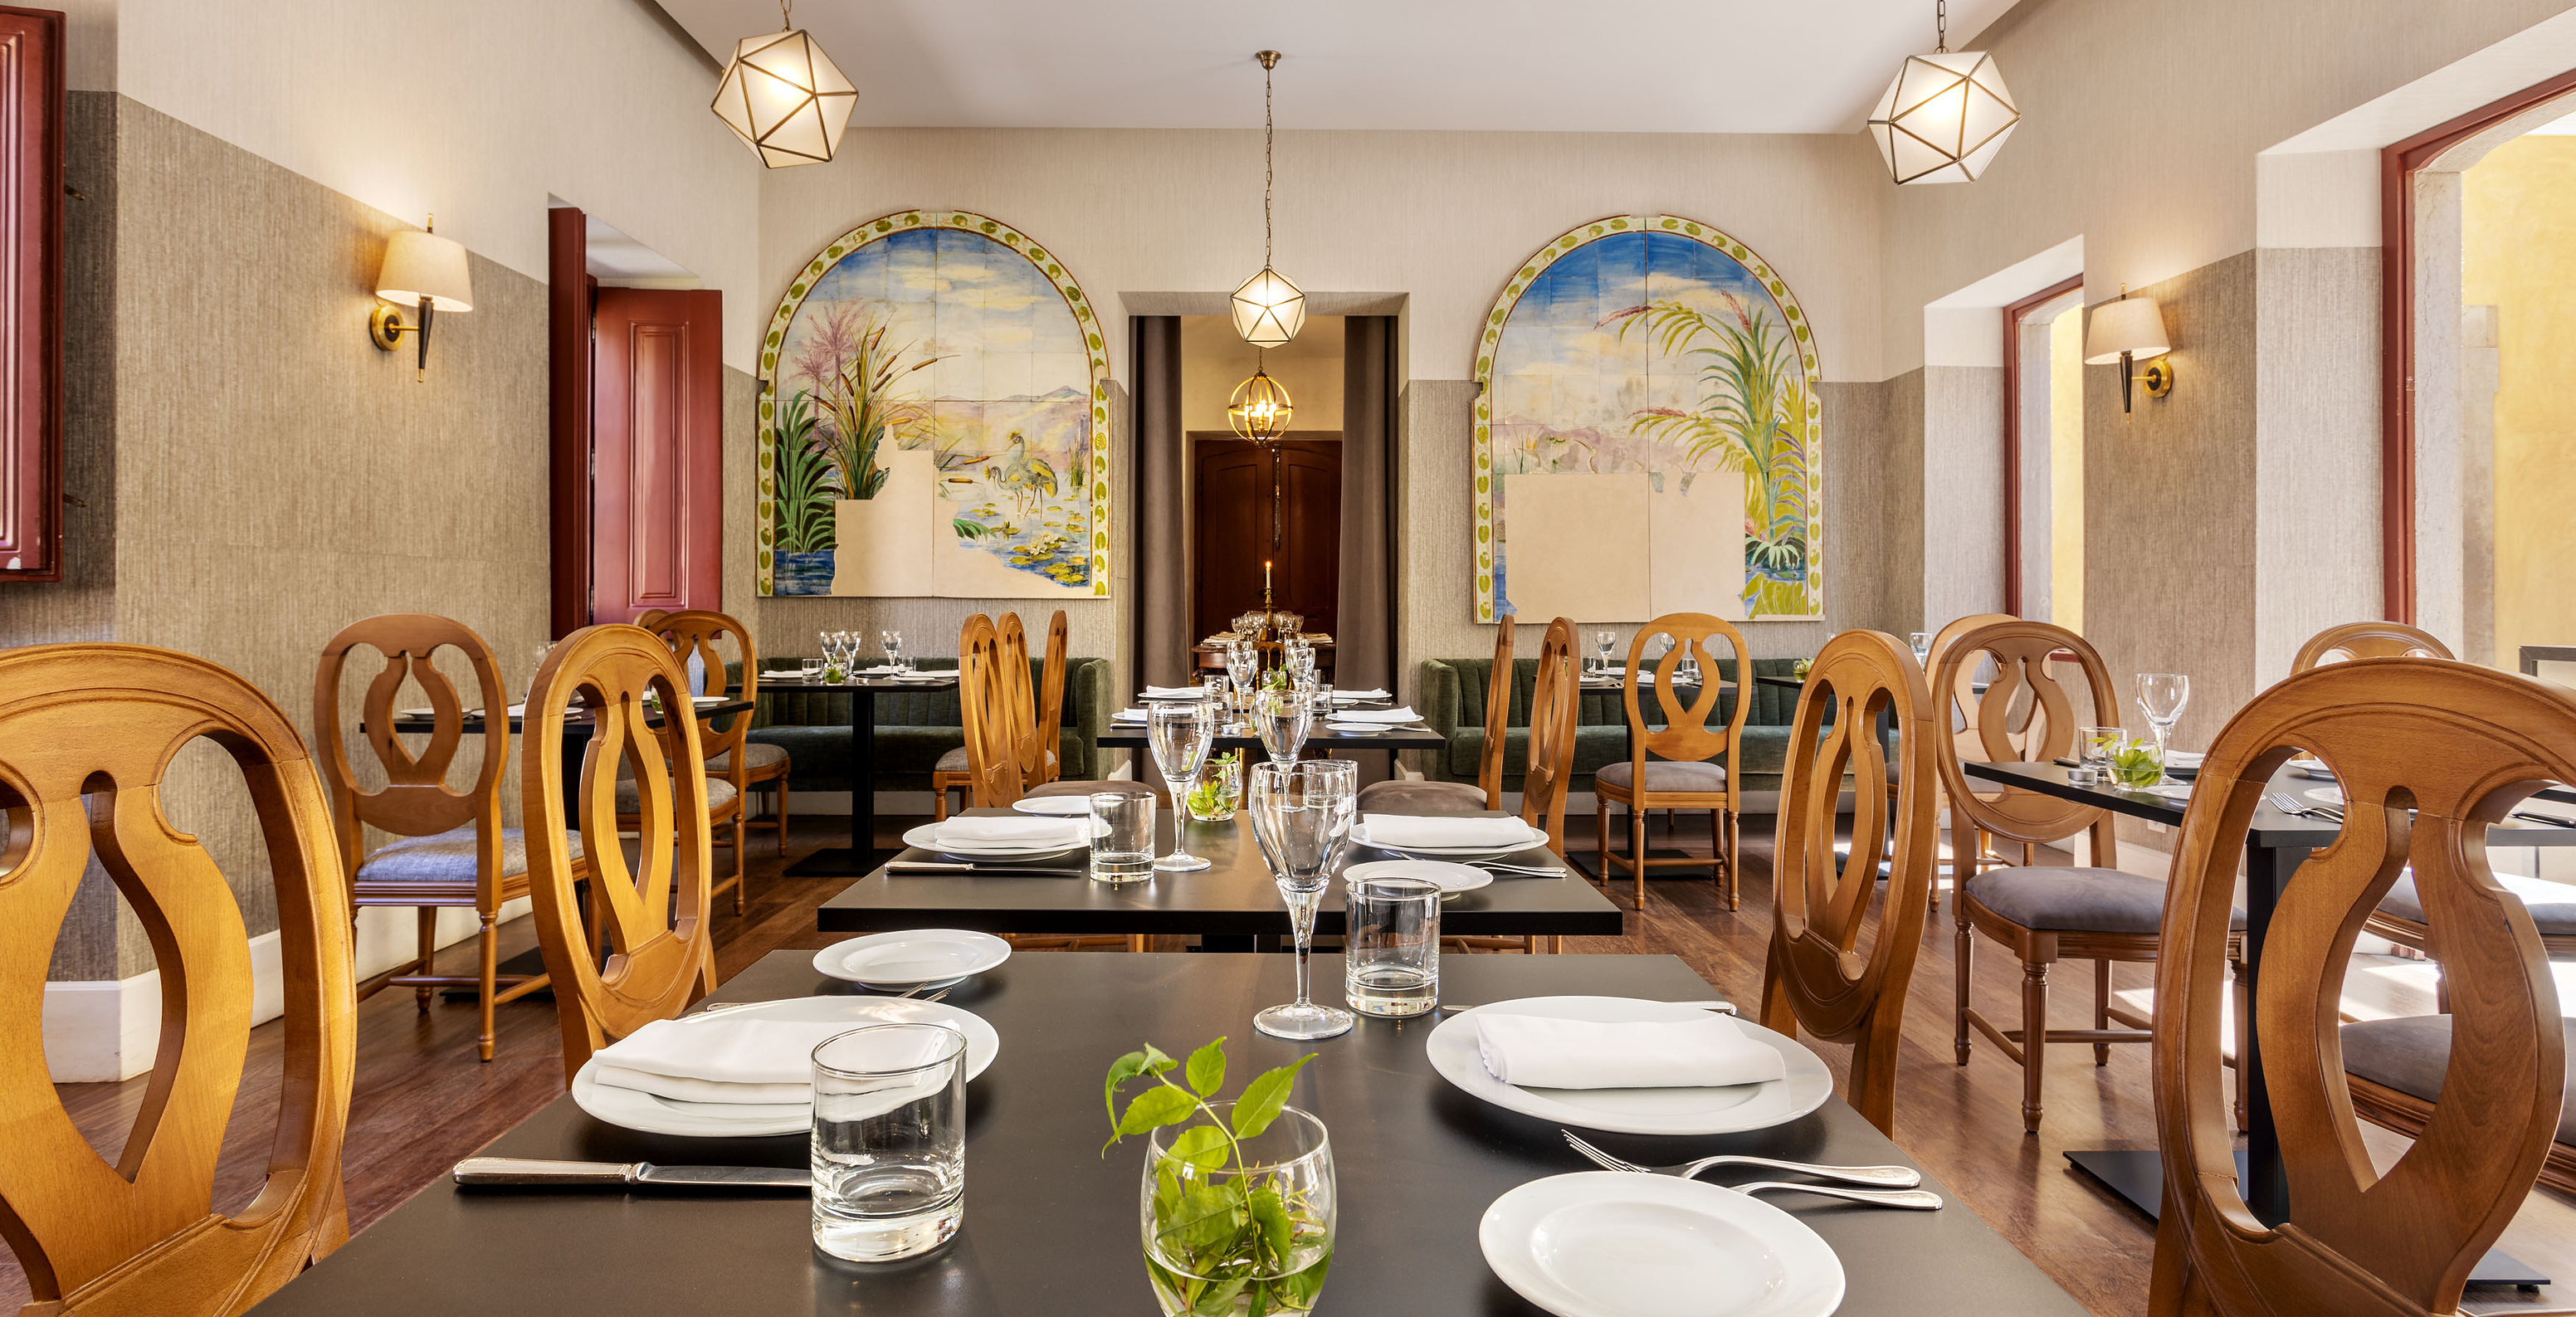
(1321, 737)
(863, 853)
(576, 742)
(1050, 1217)
(2276, 844)
(1229, 904)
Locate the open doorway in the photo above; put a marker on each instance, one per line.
(1253, 506)
(2044, 455)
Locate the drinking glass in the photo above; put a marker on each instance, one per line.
(1124, 853)
(812, 667)
(1219, 688)
(889, 1143)
(1219, 790)
(1602, 640)
(2094, 747)
(1921, 643)
(1391, 964)
(2162, 697)
(1290, 1163)
(1283, 718)
(1242, 664)
(1302, 816)
(892, 641)
(1180, 733)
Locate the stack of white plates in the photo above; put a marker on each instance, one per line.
(1452, 878)
(1731, 1109)
(1530, 837)
(927, 837)
(654, 1114)
(912, 961)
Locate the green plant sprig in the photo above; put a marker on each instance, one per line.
(1237, 1235)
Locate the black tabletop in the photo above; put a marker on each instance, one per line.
(1234, 896)
(934, 681)
(1051, 1223)
(2270, 827)
(1132, 736)
(422, 723)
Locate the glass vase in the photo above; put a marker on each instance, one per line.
(1251, 1233)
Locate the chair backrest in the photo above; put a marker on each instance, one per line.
(1685, 734)
(1816, 977)
(698, 633)
(985, 700)
(2020, 649)
(1554, 700)
(1050, 730)
(1498, 714)
(1026, 743)
(2429, 753)
(1961, 698)
(104, 721)
(2361, 640)
(651, 909)
(415, 800)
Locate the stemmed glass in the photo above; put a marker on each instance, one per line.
(1302, 816)
(892, 641)
(1242, 666)
(1283, 717)
(1921, 643)
(2162, 697)
(1180, 732)
(1603, 640)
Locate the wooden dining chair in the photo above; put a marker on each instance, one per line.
(1555, 699)
(648, 905)
(2362, 640)
(1037, 718)
(1423, 796)
(2043, 913)
(1050, 706)
(1957, 704)
(994, 774)
(2431, 754)
(1681, 763)
(734, 764)
(86, 733)
(1816, 978)
(449, 848)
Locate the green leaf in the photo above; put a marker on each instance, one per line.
(1155, 1061)
(1264, 1096)
(1203, 1146)
(1271, 1215)
(1155, 1108)
(1207, 1068)
(1207, 1219)
(1219, 1298)
(1120, 1071)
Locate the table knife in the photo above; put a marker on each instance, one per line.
(525, 1171)
(998, 870)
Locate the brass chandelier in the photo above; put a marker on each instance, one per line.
(1259, 409)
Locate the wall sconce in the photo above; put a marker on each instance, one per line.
(421, 270)
(2131, 329)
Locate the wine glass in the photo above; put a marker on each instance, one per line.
(1921, 643)
(892, 643)
(1242, 664)
(1603, 640)
(1180, 732)
(1301, 816)
(2162, 697)
(1283, 717)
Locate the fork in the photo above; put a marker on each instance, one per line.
(1884, 1177)
(1518, 868)
(2282, 801)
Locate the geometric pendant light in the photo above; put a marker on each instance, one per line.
(1945, 116)
(784, 97)
(1268, 309)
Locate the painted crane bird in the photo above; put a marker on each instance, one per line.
(1029, 480)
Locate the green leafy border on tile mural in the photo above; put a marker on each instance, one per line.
(1490, 336)
(907, 221)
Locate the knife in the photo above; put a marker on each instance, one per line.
(484, 1171)
(1000, 870)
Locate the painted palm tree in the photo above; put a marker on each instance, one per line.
(1751, 405)
(804, 479)
(861, 412)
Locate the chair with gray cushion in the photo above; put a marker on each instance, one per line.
(2042, 912)
(2396, 1066)
(1678, 760)
(1427, 796)
(2400, 919)
(697, 637)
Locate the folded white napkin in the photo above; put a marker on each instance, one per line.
(1532, 1052)
(752, 1061)
(1033, 829)
(1431, 830)
(1128, 716)
(767, 675)
(1404, 714)
(880, 670)
(1355, 697)
(1176, 692)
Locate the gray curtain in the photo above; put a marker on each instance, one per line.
(1364, 643)
(1161, 569)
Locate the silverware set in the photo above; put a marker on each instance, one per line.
(1896, 1184)
(2289, 804)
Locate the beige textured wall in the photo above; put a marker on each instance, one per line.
(2518, 254)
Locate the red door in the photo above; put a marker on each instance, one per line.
(657, 445)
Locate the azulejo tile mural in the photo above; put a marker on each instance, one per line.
(934, 419)
(1647, 432)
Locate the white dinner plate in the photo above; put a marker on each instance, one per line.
(1534, 837)
(1062, 807)
(638, 1110)
(1616, 1244)
(924, 957)
(2332, 796)
(926, 837)
(1723, 1110)
(1453, 878)
(2312, 768)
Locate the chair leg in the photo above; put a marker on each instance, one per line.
(1637, 824)
(427, 917)
(490, 970)
(781, 784)
(2102, 1009)
(2034, 1040)
(1137, 942)
(1964, 959)
(939, 804)
(741, 858)
(1556, 944)
(2244, 1012)
(1601, 838)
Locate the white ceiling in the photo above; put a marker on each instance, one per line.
(1697, 66)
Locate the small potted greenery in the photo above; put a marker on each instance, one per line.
(2137, 765)
(1218, 792)
(1237, 1208)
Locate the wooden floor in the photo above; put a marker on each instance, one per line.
(422, 1101)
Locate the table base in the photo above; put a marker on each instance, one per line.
(2137, 1177)
(841, 862)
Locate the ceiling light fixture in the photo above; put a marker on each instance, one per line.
(1259, 409)
(1946, 114)
(784, 97)
(1268, 310)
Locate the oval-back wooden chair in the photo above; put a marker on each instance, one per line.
(1023, 702)
(648, 908)
(449, 846)
(2044, 913)
(1425, 796)
(1959, 704)
(2430, 754)
(2361, 640)
(1817, 978)
(86, 733)
(1670, 767)
(1050, 728)
(984, 690)
(731, 756)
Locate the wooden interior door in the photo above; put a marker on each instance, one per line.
(657, 444)
(31, 295)
(1250, 503)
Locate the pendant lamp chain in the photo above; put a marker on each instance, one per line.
(1941, 27)
(1268, 127)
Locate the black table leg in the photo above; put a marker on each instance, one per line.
(861, 856)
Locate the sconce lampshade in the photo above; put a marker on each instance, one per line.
(1259, 409)
(421, 265)
(785, 99)
(1943, 118)
(1268, 310)
(2135, 325)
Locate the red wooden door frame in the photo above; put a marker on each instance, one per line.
(657, 451)
(569, 290)
(2013, 316)
(31, 321)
